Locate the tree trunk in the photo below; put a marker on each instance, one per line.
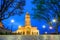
(56, 28)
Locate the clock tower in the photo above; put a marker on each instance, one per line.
(27, 29)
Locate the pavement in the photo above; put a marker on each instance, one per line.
(29, 37)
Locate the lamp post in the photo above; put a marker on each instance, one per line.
(54, 20)
(50, 27)
(56, 27)
(12, 21)
(44, 26)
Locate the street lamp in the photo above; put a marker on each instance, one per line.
(19, 26)
(56, 27)
(54, 20)
(50, 27)
(45, 32)
(44, 26)
(12, 21)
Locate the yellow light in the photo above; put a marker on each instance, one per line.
(54, 20)
(19, 26)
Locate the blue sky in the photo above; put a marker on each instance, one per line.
(20, 20)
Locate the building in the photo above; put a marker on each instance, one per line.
(27, 29)
(1, 25)
(3, 30)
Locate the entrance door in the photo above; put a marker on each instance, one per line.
(28, 31)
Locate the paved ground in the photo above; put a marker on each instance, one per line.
(20, 37)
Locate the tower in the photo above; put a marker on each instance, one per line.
(27, 20)
(27, 29)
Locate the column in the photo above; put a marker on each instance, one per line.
(25, 32)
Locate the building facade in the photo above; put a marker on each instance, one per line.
(27, 29)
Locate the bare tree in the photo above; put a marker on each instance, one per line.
(8, 7)
(46, 9)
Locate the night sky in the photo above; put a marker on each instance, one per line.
(41, 24)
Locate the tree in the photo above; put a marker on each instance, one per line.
(8, 7)
(45, 9)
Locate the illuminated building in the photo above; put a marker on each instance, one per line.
(1, 26)
(27, 29)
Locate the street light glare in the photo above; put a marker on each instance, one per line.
(50, 27)
(19, 26)
(45, 32)
(12, 21)
(54, 20)
(44, 26)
